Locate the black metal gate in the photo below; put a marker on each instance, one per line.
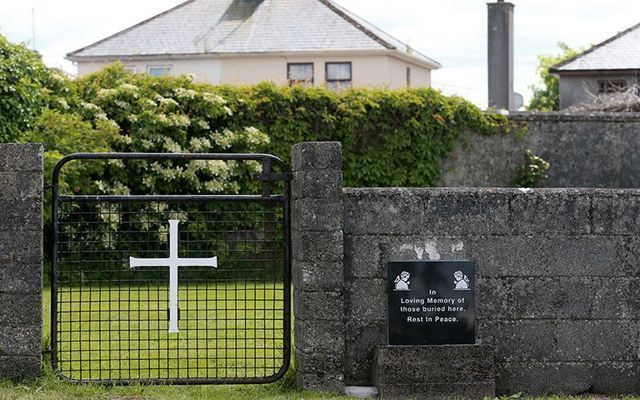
(172, 288)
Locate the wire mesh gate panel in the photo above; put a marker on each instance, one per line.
(174, 289)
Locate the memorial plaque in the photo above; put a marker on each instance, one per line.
(431, 302)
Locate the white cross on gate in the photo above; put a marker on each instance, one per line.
(173, 262)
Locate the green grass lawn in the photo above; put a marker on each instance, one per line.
(50, 387)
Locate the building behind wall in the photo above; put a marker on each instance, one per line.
(309, 42)
(609, 67)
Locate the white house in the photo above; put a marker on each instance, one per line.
(311, 42)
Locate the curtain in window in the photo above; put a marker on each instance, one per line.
(339, 72)
(301, 72)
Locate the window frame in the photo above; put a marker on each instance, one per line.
(409, 77)
(298, 82)
(340, 81)
(166, 66)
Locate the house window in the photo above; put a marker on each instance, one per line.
(408, 77)
(159, 70)
(339, 75)
(612, 86)
(300, 74)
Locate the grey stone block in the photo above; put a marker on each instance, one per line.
(328, 382)
(18, 185)
(316, 215)
(23, 246)
(616, 378)
(551, 256)
(616, 212)
(318, 363)
(604, 340)
(311, 156)
(438, 391)
(362, 257)
(319, 306)
(525, 298)
(20, 214)
(20, 277)
(320, 184)
(320, 336)
(383, 211)
(21, 157)
(543, 378)
(318, 275)
(318, 246)
(20, 368)
(434, 364)
(361, 341)
(546, 211)
(435, 371)
(519, 340)
(455, 212)
(26, 309)
(20, 340)
(367, 299)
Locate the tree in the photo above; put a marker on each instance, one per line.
(547, 96)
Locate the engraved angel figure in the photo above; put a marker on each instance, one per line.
(402, 282)
(461, 281)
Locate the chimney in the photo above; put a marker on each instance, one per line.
(501, 55)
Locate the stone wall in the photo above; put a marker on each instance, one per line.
(21, 260)
(558, 277)
(600, 150)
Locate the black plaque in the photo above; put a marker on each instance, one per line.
(431, 302)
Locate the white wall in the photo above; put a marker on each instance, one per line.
(368, 71)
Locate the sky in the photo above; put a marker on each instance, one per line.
(453, 32)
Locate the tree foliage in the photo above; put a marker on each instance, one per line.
(546, 96)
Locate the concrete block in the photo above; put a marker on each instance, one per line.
(318, 363)
(311, 156)
(603, 340)
(318, 275)
(543, 378)
(362, 257)
(21, 157)
(383, 211)
(318, 246)
(319, 306)
(519, 340)
(20, 277)
(332, 382)
(20, 214)
(18, 185)
(616, 378)
(616, 212)
(24, 246)
(20, 340)
(548, 211)
(455, 212)
(26, 309)
(317, 184)
(325, 337)
(435, 371)
(367, 299)
(360, 344)
(316, 215)
(20, 368)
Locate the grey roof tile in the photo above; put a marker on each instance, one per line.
(247, 26)
(621, 51)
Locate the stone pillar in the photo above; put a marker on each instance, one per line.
(318, 268)
(500, 43)
(21, 193)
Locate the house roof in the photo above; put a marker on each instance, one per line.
(620, 52)
(202, 27)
